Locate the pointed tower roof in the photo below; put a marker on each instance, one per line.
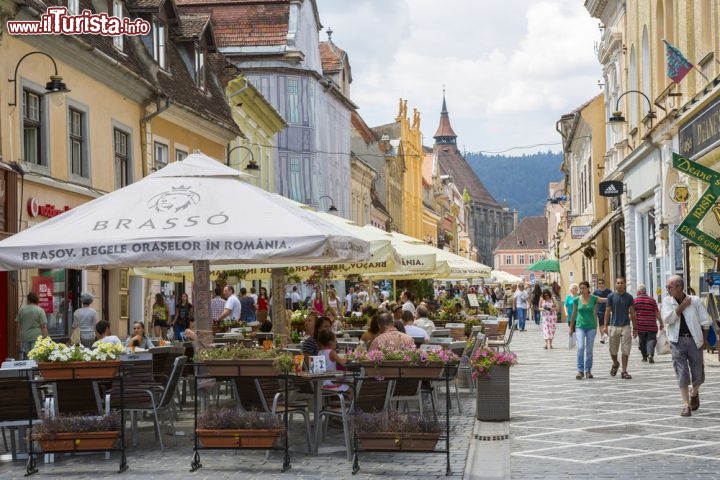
(445, 133)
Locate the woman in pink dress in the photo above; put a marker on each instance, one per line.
(548, 311)
(318, 304)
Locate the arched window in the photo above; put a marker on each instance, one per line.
(633, 85)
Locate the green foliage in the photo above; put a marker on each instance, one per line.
(519, 181)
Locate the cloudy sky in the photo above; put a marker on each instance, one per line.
(510, 68)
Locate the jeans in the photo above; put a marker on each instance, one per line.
(510, 316)
(585, 341)
(536, 314)
(521, 315)
(647, 342)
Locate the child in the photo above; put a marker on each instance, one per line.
(328, 343)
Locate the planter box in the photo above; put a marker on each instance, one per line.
(240, 368)
(79, 441)
(398, 369)
(78, 370)
(493, 395)
(422, 442)
(238, 438)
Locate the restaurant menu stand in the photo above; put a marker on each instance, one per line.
(31, 468)
(195, 463)
(355, 368)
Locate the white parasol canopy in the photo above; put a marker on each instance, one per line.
(196, 209)
(500, 276)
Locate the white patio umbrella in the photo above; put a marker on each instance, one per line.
(197, 209)
(500, 276)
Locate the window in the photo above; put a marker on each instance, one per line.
(180, 155)
(295, 177)
(159, 42)
(122, 160)
(200, 66)
(77, 138)
(73, 7)
(293, 105)
(118, 12)
(317, 181)
(33, 128)
(521, 259)
(531, 258)
(508, 259)
(161, 155)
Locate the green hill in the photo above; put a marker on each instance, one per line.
(521, 182)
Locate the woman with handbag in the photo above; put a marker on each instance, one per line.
(84, 321)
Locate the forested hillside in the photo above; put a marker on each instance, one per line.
(521, 182)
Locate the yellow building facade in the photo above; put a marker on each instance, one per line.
(411, 151)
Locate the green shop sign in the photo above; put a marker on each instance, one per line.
(689, 226)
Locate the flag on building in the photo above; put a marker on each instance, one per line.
(677, 65)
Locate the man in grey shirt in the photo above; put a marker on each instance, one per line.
(620, 317)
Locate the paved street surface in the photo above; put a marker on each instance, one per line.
(560, 428)
(607, 427)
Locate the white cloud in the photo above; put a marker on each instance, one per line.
(511, 69)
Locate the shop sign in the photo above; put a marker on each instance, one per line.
(611, 188)
(579, 231)
(43, 286)
(701, 133)
(679, 193)
(706, 203)
(48, 210)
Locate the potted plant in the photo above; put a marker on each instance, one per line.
(297, 320)
(57, 361)
(230, 428)
(410, 363)
(491, 369)
(392, 430)
(239, 360)
(77, 433)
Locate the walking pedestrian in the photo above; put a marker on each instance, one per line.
(569, 299)
(583, 325)
(620, 317)
(687, 323)
(510, 305)
(648, 317)
(535, 297)
(548, 310)
(31, 323)
(85, 319)
(601, 291)
(520, 305)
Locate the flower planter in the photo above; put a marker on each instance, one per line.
(240, 368)
(79, 441)
(236, 438)
(493, 395)
(379, 440)
(398, 441)
(398, 369)
(78, 370)
(358, 323)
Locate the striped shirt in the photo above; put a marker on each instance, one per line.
(646, 311)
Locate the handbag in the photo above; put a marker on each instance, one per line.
(662, 347)
(75, 336)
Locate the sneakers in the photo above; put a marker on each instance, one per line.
(589, 375)
(694, 402)
(579, 376)
(651, 359)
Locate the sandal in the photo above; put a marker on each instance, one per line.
(625, 375)
(614, 369)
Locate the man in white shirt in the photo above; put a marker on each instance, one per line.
(102, 330)
(232, 304)
(349, 300)
(520, 305)
(688, 323)
(423, 321)
(412, 330)
(295, 299)
(406, 298)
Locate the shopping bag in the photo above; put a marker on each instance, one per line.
(712, 337)
(75, 336)
(572, 341)
(662, 347)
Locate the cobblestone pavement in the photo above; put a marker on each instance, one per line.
(607, 427)
(148, 461)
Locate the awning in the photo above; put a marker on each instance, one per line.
(596, 230)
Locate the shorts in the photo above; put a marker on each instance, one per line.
(620, 337)
(160, 323)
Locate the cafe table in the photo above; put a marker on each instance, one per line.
(317, 380)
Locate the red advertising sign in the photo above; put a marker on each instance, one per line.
(43, 286)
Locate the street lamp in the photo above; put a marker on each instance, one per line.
(617, 120)
(251, 164)
(54, 85)
(332, 203)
